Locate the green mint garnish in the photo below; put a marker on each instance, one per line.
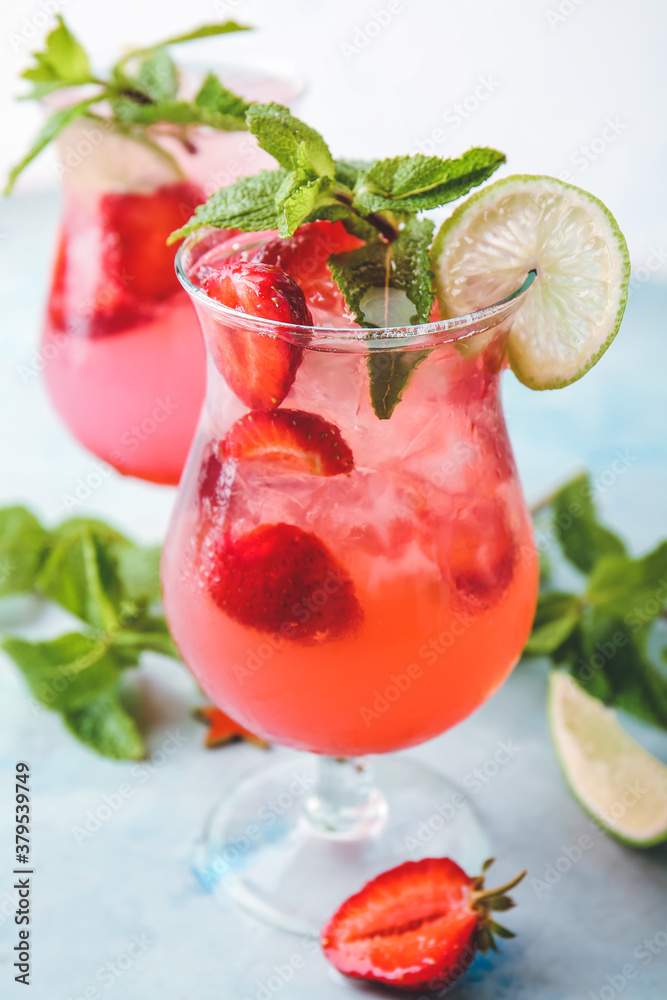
(377, 201)
(604, 632)
(141, 90)
(416, 183)
(402, 265)
(249, 204)
(112, 586)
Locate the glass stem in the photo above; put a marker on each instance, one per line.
(345, 803)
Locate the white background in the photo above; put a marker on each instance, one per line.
(558, 69)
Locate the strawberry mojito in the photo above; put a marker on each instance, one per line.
(350, 567)
(337, 582)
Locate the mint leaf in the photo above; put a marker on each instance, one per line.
(56, 123)
(139, 573)
(63, 63)
(614, 665)
(355, 224)
(206, 31)
(625, 586)
(105, 726)
(582, 539)
(290, 141)
(389, 373)
(302, 204)
(347, 171)
(108, 582)
(402, 265)
(605, 636)
(411, 266)
(216, 98)
(66, 672)
(249, 204)
(129, 112)
(416, 183)
(147, 634)
(156, 76)
(80, 574)
(357, 271)
(23, 542)
(556, 617)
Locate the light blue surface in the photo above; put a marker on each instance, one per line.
(131, 877)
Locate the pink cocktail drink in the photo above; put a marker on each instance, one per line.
(125, 366)
(340, 583)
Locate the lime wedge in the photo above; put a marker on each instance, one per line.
(621, 785)
(572, 311)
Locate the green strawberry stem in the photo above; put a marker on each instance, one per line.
(479, 896)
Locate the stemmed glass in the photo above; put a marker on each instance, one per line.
(425, 598)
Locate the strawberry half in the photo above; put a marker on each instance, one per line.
(136, 227)
(304, 255)
(279, 578)
(293, 440)
(258, 368)
(421, 923)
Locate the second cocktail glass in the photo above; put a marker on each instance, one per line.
(407, 579)
(123, 358)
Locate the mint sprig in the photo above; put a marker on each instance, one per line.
(416, 183)
(315, 186)
(112, 586)
(377, 201)
(604, 632)
(141, 90)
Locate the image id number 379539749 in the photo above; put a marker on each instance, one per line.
(23, 871)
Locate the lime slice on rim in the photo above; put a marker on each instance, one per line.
(612, 777)
(572, 311)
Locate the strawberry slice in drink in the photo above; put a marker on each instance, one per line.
(479, 551)
(279, 578)
(136, 227)
(289, 441)
(258, 368)
(304, 256)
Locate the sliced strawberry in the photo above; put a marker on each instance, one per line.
(136, 227)
(258, 368)
(212, 245)
(222, 730)
(481, 551)
(279, 578)
(292, 440)
(304, 256)
(418, 924)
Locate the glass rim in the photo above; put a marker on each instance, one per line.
(411, 337)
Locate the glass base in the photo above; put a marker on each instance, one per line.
(279, 847)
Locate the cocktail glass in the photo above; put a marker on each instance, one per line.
(431, 532)
(123, 358)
